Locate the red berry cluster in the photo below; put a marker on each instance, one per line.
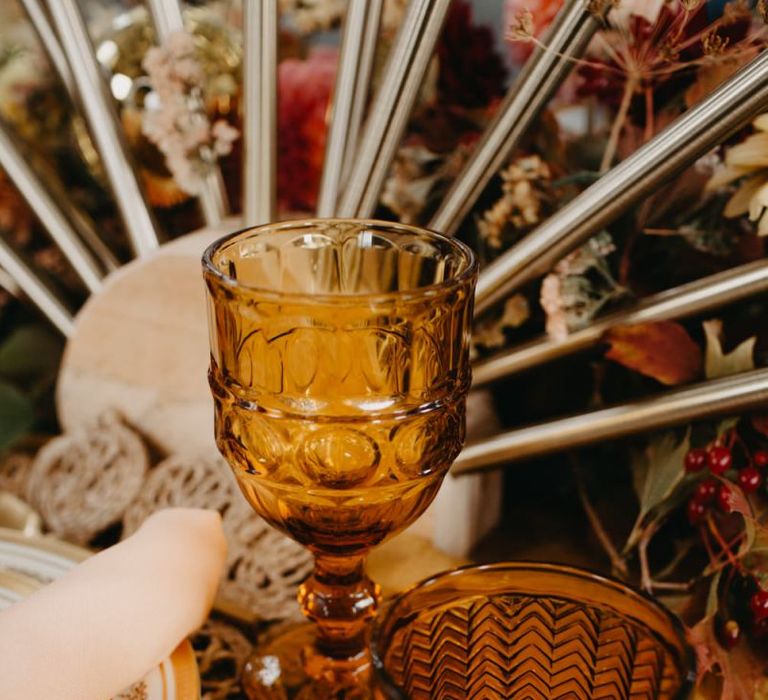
(758, 604)
(718, 459)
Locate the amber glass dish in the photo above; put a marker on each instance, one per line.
(339, 369)
(529, 631)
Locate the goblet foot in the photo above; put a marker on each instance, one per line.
(286, 666)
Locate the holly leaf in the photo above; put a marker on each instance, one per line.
(661, 350)
(739, 503)
(713, 598)
(719, 364)
(741, 671)
(17, 414)
(658, 471)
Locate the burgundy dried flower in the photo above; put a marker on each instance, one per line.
(305, 89)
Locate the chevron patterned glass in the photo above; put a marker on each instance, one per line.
(529, 632)
(339, 370)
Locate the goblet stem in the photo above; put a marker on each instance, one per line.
(340, 599)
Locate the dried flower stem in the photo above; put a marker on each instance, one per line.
(669, 569)
(618, 565)
(724, 546)
(646, 581)
(630, 86)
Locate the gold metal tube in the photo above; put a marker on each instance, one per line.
(104, 124)
(38, 17)
(730, 395)
(686, 300)
(40, 295)
(352, 77)
(691, 136)
(392, 106)
(260, 111)
(53, 218)
(543, 73)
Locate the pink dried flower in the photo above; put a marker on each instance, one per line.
(554, 306)
(178, 124)
(526, 19)
(579, 287)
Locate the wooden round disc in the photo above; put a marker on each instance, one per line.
(141, 347)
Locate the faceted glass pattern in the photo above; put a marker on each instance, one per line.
(339, 368)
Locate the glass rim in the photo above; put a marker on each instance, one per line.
(416, 294)
(384, 619)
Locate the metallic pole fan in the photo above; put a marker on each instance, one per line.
(136, 345)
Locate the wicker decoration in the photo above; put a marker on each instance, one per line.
(263, 567)
(182, 481)
(221, 652)
(14, 473)
(83, 482)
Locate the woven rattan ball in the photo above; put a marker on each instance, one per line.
(82, 482)
(14, 473)
(221, 652)
(188, 481)
(263, 567)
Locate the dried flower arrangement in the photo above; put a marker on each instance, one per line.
(699, 536)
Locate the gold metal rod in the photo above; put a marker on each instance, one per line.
(545, 70)
(403, 76)
(52, 217)
(104, 125)
(260, 18)
(168, 19)
(686, 300)
(40, 295)
(9, 284)
(363, 87)
(695, 133)
(720, 397)
(38, 17)
(355, 62)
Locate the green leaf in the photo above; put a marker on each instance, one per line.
(727, 424)
(30, 351)
(717, 363)
(17, 414)
(658, 471)
(713, 599)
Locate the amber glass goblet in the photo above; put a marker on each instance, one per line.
(339, 370)
(529, 631)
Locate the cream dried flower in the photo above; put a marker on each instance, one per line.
(417, 175)
(313, 15)
(580, 285)
(521, 28)
(747, 162)
(520, 206)
(491, 335)
(175, 119)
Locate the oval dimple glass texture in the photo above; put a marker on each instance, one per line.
(339, 369)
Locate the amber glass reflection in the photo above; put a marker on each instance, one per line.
(536, 631)
(339, 367)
